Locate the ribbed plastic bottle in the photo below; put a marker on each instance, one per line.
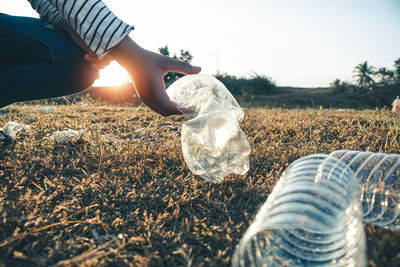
(312, 218)
(379, 177)
(213, 144)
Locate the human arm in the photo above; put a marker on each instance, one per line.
(91, 20)
(83, 9)
(46, 11)
(147, 70)
(100, 31)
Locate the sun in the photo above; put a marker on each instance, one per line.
(112, 75)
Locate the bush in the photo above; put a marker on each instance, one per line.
(256, 84)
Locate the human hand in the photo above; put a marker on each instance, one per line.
(96, 62)
(147, 70)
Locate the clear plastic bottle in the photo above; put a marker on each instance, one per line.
(213, 144)
(379, 177)
(311, 218)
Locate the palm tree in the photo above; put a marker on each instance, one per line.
(363, 72)
(386, 76)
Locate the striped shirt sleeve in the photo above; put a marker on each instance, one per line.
(92, 20)
(46, 11)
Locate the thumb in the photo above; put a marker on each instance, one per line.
(181, 67)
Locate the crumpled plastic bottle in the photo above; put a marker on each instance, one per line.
(213, 144)
(312, 218)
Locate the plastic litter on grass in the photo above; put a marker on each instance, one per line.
(46, 109)
(67, 136)
(213, 144)
(10, 131)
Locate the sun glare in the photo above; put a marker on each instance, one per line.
(112, 75)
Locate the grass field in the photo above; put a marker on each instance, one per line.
(123, 195)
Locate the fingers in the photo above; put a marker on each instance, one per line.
(185, 110)
(163, 106)
(152, 93)
(91, 57)
(96, 62)
(173, 65)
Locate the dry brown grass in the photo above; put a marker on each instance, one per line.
(123, 195)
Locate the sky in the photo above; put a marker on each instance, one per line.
(305, 43)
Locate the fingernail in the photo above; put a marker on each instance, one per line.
(196, 68)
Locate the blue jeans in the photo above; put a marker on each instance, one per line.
(39, 61)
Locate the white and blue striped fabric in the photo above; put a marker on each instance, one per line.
(92, 20)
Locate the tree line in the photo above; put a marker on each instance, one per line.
(371, 86)
(367, 78)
